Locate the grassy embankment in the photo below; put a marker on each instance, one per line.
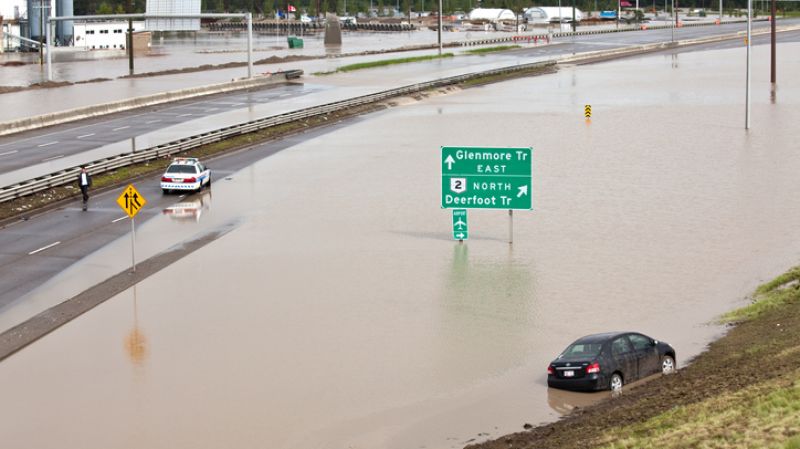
(763, 415)
(480, 51)
(387, 62)
(384, 62)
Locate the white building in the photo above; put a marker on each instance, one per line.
(173, 7)
(103, 35)
(492, 14)
(552, 14)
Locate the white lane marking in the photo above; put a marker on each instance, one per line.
(152, 121)
(85, 135)
(43, 248)
(284, 95)
(119, 219)
(121, 127)
(8, 152)
(48, 144)
(52, 158)
(211, 109)
(185, 115)
(236, 104)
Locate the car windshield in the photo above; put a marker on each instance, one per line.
(182, 169)
(582, 350)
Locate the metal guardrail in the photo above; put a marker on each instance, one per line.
(622, 29)
(70, 175)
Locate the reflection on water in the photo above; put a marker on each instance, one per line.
(333, 50)
(135, 340)
(486, 303)
(564, 401)
(191, 208)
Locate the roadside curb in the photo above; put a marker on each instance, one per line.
(70, 115)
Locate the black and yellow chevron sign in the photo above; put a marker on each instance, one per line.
(587, 111)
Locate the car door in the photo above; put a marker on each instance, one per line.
(646, 354)
(624, 358)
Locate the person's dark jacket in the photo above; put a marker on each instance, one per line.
(88, 179)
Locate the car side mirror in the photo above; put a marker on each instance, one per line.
(654, 342)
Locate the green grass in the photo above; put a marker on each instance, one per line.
(782, 290)
(480, 51)
(386, 62)
(765, 416)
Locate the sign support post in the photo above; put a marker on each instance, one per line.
(487, 178)
(510, 226)
(131, 201)
(133, 246)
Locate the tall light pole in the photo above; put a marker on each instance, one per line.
(439, 28)
(747, 88)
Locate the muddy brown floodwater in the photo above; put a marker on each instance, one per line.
(340, 314)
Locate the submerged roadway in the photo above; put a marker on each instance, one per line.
(39, 246)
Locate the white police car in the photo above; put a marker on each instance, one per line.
(185, 173)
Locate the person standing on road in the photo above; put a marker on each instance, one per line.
(85, 181)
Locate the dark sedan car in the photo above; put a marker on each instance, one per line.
(606, 361)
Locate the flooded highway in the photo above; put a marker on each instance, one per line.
(340, 313)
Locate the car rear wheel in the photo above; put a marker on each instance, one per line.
(616, 382)
(165, 191)
(667, 364)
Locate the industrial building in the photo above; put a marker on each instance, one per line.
(104, 35)
(26, 18)
(23, 24)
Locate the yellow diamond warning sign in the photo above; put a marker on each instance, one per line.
(131, 201)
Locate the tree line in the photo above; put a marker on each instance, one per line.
(313, 7)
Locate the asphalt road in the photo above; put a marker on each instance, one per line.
(26, 149)
(37, 248)
(34, 249)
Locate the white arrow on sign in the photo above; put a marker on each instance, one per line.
(460, 235)
(449, 161)
(522, 191)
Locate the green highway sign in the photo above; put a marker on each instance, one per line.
(460, 228)
(486, 178)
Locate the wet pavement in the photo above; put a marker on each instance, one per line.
(341, 314)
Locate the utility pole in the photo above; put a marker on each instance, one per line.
(130, 37)
(41, 32)
(574, 25)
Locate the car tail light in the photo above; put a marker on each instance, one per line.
(593, 368)
(193, 179)
(165, 179)
(550, 370)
